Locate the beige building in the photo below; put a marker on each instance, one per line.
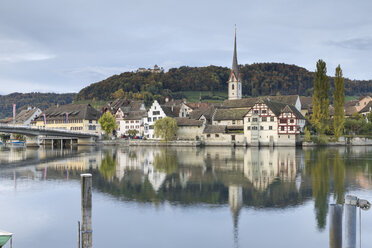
(74, 117)
(189, 129)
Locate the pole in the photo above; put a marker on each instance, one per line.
(79, 234)
(86, 210)
(350, 221)
(335, 227)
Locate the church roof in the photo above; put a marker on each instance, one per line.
(235, 67)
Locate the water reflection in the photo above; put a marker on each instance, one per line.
(257, 178)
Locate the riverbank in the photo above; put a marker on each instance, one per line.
(343, 141)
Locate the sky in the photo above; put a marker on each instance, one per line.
(63, 46)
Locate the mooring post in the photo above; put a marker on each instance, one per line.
(350, 221)
(86, 210)
(335, 227)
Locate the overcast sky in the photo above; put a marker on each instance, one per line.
(63, 46)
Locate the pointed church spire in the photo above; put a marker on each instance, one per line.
(235, 68)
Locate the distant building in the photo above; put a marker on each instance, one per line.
(131, 117)
(155, 113)
(26, 116)
(75, 117)
(156, 69)
(355, 106)
(189, 129)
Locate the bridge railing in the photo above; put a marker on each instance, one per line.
(38, 128)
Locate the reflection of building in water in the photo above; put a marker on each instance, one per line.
(236, 203)
(140, 159)
(79, 163)
(263, 166)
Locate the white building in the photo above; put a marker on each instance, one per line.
(155, 113)
(273, 123)
(26, 116)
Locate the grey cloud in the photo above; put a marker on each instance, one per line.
(357, 43)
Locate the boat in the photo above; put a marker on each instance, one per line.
(4, 237)
(15, 142)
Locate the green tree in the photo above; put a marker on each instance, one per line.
(132, 132)
(339, 102)
(118, 94)
(321, 98)
(108, 167)
(166, 161)
(165, 128)
(107, 122)
(307, 135)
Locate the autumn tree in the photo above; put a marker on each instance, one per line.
(165, 128)
(321, 98)
(339, 102)
(107, 122)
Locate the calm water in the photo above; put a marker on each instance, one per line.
(182, 197)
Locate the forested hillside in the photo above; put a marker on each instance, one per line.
(257, 79)
(41, 100)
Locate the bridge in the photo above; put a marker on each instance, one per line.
(35, 134)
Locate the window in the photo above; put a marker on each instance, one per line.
(90, 121)
(154, 119)
(131, 121)
(254, 119)
(249, 128)
(264, 111)
(283, 120)
(137, 121)
(256, 111)
(149, 119)
(232, 87)
(264, 118)
(282, 128)
(270, 127)
(155, 112)
(233, 122)
(217, 135)
(291, 128)
(261, 127)
(271, 118)
(151, 127)
(249, 119)
(292, 121)
(254, 128)
(208, 135)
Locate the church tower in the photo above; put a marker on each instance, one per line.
(234, 83)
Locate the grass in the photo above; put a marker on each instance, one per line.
(194, 96)
(350, 98)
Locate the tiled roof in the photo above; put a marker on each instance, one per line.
(306, 102)
(249, 102)
(188, 122)
(350, 110)
(214, 129)
(75, 112)
(169, 111)
(279, 107)
(136, 115)
(229, 114)
(366, 108)
(25, 114)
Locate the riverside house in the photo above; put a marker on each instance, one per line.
(75, 117)
(131, 116)
(271, 123)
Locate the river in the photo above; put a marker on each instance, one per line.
(182, 197)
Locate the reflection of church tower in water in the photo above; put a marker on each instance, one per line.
(236, 203)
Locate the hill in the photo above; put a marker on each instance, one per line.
(257, 79)
(41, 100)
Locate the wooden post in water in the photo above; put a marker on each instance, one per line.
(350, 221)
(86, 210)
(335, 226)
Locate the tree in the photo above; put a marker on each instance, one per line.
(307, 135)
(107, 122)
(132, 132)
(339, 102)
(321, 98)
(165, 128)
(118, 94)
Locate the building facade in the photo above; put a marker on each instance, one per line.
(271, 123)
(234, 82)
